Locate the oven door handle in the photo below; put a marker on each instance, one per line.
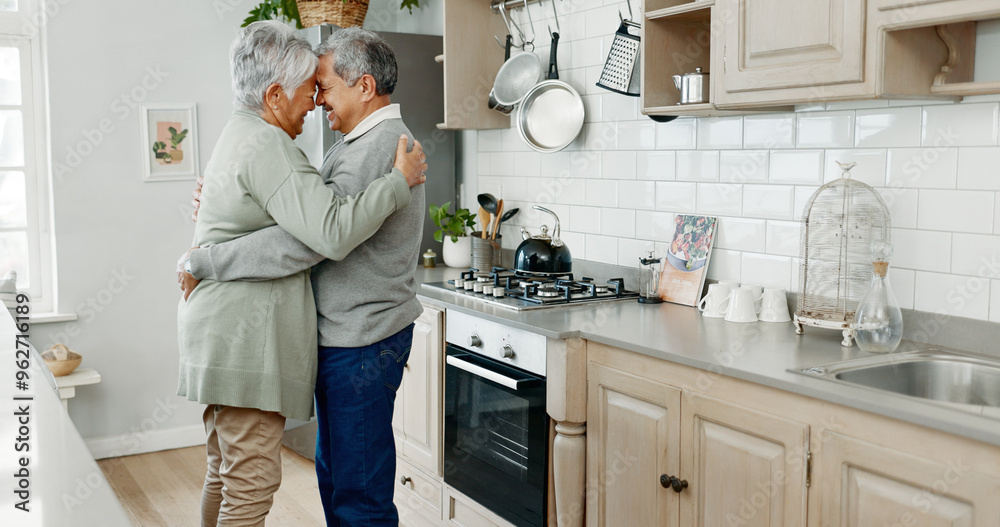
(485, 373)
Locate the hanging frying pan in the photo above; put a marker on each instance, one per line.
(551, 114)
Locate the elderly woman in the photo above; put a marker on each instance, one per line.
(248, 350)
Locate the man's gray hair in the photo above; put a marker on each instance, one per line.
(357, 52)
(265, 53)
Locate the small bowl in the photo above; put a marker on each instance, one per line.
(61, 367)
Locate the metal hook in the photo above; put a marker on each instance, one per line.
(623, 19)
(555, 16)
(532, 22)
(508, 21)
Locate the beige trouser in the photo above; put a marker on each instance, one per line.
(244, 465)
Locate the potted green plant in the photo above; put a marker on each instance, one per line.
(452, 229)
(160, 149)
(175, 143)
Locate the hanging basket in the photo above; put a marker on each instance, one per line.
(342, 13)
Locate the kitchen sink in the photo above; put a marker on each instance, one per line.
(965, 381)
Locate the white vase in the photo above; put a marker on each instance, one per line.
(457, 254)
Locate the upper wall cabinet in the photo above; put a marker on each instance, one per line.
(785, 44)
(471, 60)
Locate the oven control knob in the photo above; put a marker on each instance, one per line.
(507, 352)
(475, 341)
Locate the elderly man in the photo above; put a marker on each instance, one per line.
(366, 302)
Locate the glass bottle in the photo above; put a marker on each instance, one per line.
(878, 322)
(649, 282)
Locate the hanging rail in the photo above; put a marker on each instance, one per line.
(510, 4)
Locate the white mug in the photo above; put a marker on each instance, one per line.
(741, 307)
(774, 306)
(714, 304)
(733, 284)
(757, 292)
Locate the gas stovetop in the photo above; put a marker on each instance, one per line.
(520, 290)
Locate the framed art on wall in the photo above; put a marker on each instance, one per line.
(169, 142)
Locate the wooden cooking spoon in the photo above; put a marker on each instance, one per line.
(484, 218)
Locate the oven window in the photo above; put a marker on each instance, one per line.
(492, 426)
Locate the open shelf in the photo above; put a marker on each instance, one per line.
(674, 45)
(664, 5)
(690, 12)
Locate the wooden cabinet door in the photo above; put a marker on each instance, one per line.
(743, 467)
(791, 43)
(633, 436)
(416, 420)
(867, 485)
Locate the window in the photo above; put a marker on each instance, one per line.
(25, 240)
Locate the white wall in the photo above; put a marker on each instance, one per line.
(618, 186)
(117, 238)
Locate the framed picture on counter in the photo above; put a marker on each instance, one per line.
(686, 265)
(169, 142)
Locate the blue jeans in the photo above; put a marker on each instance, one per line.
(355, 452)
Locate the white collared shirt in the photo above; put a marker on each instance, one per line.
(386, 112)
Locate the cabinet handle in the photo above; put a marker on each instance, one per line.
(403, 480)
(671, 482)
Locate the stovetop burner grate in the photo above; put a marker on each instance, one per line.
(512, 288)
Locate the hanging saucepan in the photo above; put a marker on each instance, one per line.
(543, 254)
(551, 114)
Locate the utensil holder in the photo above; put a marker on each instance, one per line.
(485, 253)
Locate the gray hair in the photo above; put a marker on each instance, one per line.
(357, 52)
(265, 53)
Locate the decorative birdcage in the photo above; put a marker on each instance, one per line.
(840, 221)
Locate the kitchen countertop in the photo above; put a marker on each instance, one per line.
(759, 352)
(65, 485)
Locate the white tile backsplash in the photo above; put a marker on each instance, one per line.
(870, 167)
(720, 132)
(698, 165)
(656, 165)
(825, 130)
(921, 250)
(585, 219)
(636, 135)
(676, 196)
(768, 201)
(979, 168)
(527, 164)
(955, 210)
(960, 125)
(801, 167)
(637, 195)
(741, 234)
(887, 127)
(783, 237)
(976, 255)
(602, 193)
(743, 166)
(619, 184)
(769, 131)
(618, 165)
(679, 134)
(922, 167)
(618, 222)
(719, 198)
(766, 270)
(962, 296)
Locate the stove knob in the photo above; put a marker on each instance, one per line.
(475, 341)
(507, 352)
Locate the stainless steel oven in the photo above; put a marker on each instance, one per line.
(495, 424)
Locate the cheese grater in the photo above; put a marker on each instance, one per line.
(621, 70)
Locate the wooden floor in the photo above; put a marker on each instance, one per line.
(164, 488)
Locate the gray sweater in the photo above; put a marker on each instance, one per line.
(370, 294)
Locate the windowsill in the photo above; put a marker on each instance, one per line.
(49, 318)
